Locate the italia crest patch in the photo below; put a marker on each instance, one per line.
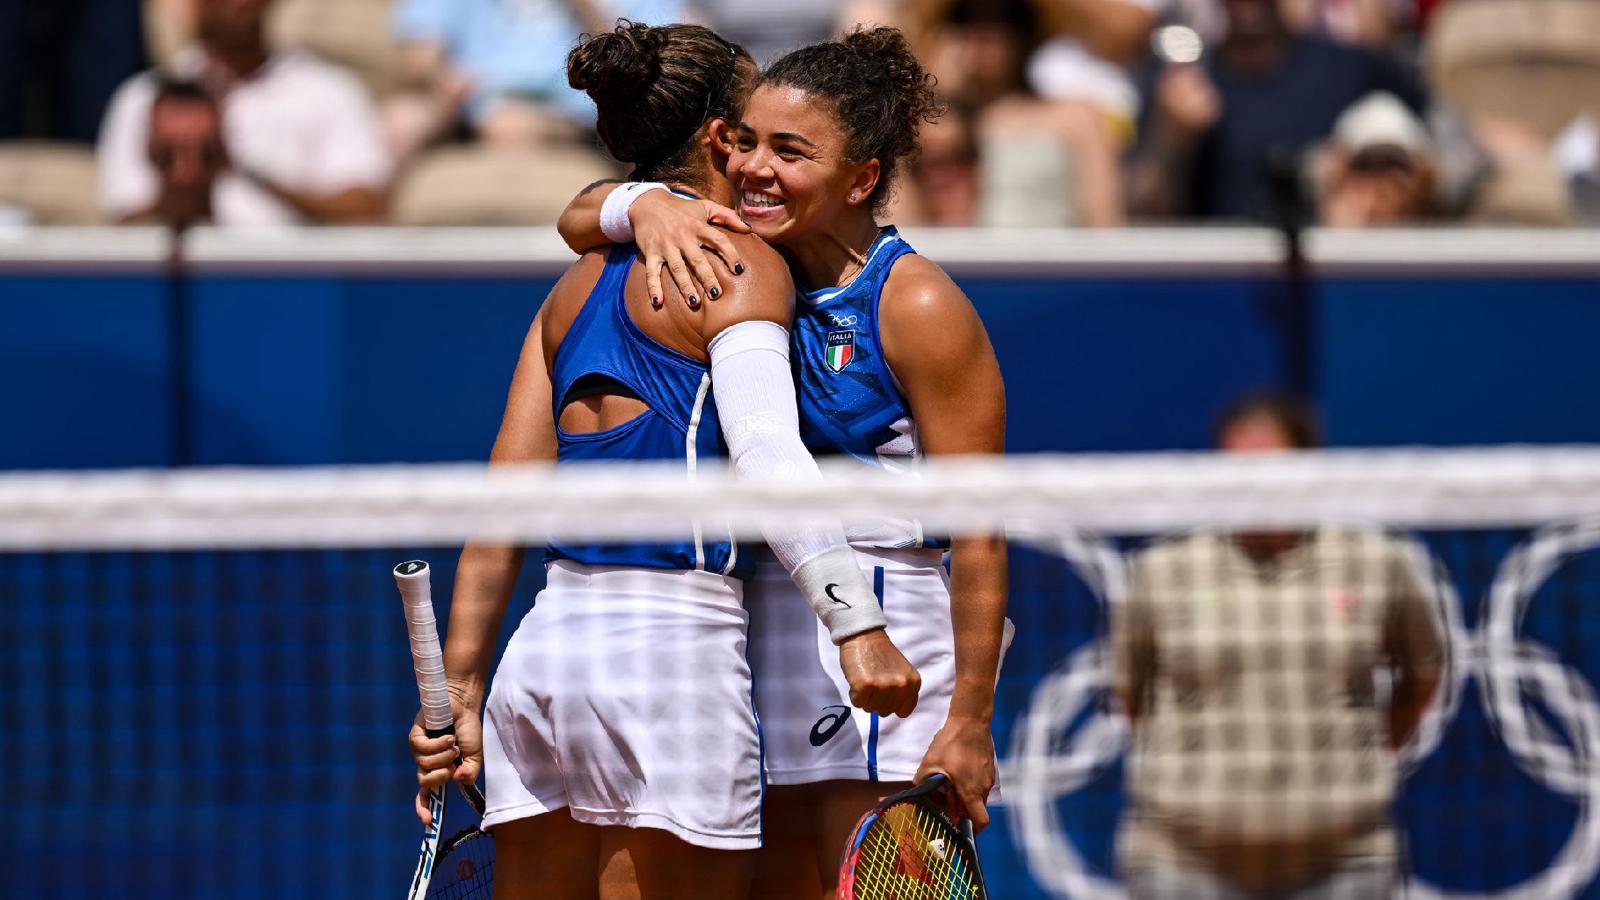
(841, 350)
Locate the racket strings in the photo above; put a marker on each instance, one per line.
(910, 853)
(465, 870)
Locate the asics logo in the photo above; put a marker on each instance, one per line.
(829, 725)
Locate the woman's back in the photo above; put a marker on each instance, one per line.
(633, 384)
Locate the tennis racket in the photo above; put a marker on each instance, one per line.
(462, 867)
(907, 848)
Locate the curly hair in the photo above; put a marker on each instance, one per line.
(878, 91)
(654, 87)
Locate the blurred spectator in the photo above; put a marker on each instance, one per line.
(497, 68)
(1093, 44)
(1379, 168)
(1385, 25)
(187, 152)
(299, 136)
(979, 51)
(766, 30)
(1250, 666)
(60, 61)
(942, 184)
(1213, 132)
(1521, 78)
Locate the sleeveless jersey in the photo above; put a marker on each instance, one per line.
(680, 424)
(850, 404)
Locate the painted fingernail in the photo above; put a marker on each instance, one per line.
(738, 268)
(715, 293)
(693, 300)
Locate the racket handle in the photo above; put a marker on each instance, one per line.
(416, 593)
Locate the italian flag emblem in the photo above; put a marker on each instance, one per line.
(841, 349)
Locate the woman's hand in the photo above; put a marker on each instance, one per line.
(881, 679)
(457, 757)
(676, 232)
(964, 751)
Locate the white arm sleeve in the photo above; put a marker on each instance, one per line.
(754, 391)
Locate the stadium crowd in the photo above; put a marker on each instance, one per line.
(1084, 113)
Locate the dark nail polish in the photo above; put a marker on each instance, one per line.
(738, 268)
(693, 300)
(715, 293)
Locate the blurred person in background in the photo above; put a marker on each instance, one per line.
(300, 135)
(940, 185)
(1378, 170)
(187, 151)
(1384, 25)
(60, 61)
(1214, 134)
(768, 29)
(495, 69)
(1087, 62)
(1251, 666)
(1026, 142)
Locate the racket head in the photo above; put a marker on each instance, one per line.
(908, 848)
(464, 869)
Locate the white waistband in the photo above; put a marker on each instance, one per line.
(688, 584)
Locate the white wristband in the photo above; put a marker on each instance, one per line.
(837, 591)
(614, 223)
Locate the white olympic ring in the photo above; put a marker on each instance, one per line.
(843, 321)
(1044, 762)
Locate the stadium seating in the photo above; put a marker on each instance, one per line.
(54, 182)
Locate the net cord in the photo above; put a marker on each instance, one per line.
(1133, 494)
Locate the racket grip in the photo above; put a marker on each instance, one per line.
(416, 593)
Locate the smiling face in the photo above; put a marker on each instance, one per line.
(790, 166)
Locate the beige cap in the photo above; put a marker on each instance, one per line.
(1380, 120)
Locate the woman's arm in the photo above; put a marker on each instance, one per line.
(1416, 652)
(939, 352)
(486, 575)
(753, 386)
(670, 231)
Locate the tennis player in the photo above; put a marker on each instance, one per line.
(892, 364)
(620, 746)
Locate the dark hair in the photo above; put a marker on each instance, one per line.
(182, 90)
(878, 90)
(654, 87)
(1289, 412)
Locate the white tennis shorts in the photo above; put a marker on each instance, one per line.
(624, 696)
(812, 733)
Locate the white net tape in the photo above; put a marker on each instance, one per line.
(443, 505)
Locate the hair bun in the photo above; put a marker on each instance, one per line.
(619, 64)
(888, 47)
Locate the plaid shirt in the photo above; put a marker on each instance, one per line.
(1261, 740)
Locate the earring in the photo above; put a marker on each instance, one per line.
(852, 198)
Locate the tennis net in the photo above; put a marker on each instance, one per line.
(208, 683)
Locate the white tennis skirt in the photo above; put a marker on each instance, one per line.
(624, 696)
(812, 733)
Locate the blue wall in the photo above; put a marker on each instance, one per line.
(316, 369)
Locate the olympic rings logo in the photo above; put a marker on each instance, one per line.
(1045, 762)
(843, 321)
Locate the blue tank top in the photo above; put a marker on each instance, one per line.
(850, 404)
(681, 423)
